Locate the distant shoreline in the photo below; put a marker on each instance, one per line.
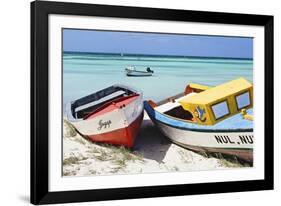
(152, 55)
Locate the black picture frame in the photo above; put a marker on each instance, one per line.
(40, 108)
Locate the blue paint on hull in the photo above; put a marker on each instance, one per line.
(233, 124)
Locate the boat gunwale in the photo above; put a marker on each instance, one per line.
(103, 106)
(68, 108)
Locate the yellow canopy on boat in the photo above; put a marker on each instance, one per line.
(220, 102)
(199, 86)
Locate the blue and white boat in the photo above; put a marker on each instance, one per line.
(217, 119)
(132, 72)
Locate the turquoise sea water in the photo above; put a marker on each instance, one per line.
(85, 73)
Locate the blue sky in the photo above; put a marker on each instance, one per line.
(156, 44)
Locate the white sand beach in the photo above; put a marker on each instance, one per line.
(152, 152)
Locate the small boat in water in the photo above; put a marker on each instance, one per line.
(112, 115)
(210, 119)
(132, 72)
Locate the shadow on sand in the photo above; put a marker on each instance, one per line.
(151, 143)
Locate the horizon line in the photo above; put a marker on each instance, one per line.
(158, 55)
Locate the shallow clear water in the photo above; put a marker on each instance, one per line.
(85, 73)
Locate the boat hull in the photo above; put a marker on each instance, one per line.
(239, 144)
(117, 122)
(123, 136)
(119, 127)
(135, 73)
(231, 142)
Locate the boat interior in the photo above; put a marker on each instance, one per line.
(174, 110)
(172, 107)
(86, 105)
(180, 113)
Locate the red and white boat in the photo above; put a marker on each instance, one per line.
(112, 115)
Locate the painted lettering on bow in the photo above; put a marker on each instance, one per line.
(223, 139)
(241, 139)
(246, 139)
(104, 124)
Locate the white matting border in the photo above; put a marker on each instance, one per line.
(59, 183)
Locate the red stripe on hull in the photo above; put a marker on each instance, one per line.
(117, 103)
(125, 136)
